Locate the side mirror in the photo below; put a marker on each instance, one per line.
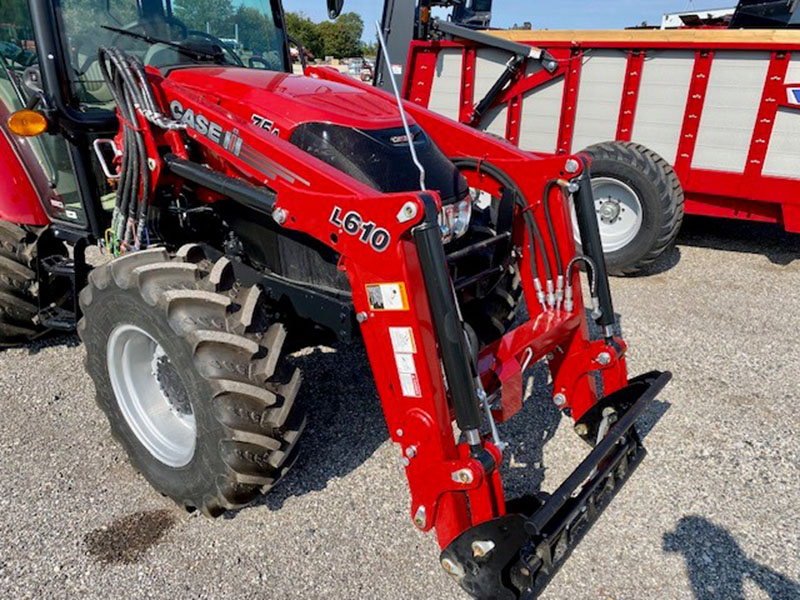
(335, 8)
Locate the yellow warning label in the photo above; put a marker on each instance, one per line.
(387, 296)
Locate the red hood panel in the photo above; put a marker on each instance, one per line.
(288, 100)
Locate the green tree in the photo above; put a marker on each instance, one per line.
(255, 32)
(342, 38)
(353, 25)
(305, 31)
(216, 14)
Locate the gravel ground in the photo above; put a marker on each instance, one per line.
(711, 514)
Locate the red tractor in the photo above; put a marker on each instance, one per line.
(243, 212)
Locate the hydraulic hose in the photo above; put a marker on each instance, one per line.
(559, 294)
(534, 233)
(126, 78)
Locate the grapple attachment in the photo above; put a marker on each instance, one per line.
(514, 556)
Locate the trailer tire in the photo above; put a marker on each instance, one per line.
(19, 302)
(635, 175)
(188, 368)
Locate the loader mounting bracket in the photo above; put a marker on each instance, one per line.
(513, 557)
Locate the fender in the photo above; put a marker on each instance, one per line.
(19, 201)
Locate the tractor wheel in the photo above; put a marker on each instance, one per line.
(188, 368)
(491, 317)
(639, 204)
(19, 303)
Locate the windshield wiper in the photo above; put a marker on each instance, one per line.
(195, 54)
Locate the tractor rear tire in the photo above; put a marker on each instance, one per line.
(19, 303)
(188, 368)
(646, 183)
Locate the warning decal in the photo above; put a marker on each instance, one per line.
(405, 347)
(387, 296)
(403, 340)
(410, 385)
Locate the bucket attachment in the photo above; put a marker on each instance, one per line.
(514, 557)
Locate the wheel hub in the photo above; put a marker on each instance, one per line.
(151, 395)
(608, 209)
(619, 213)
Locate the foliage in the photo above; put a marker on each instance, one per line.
(340, 38)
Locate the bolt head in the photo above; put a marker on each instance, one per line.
(560, 400)
(453, 569)
(604, 358)
(399, 433)
(582, 429)
(361, 317)
(572, 166)
(464, 476)
(411, 451)
(420, 517)
(481, 548)
(407, 212)
(279, 215)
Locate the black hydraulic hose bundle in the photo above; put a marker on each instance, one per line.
(563, 289)
(127, 81)
(535, 238)
(559, 291)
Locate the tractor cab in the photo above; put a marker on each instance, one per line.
(49, 61)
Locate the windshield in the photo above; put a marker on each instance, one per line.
(235, 32)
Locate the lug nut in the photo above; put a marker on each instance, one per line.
(604, 358)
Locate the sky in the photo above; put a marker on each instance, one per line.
(543, 14)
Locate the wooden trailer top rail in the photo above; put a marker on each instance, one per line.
(735, 37)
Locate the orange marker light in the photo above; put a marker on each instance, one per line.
(27, 123)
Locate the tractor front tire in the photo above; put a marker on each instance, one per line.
(492, 317)
(639, 203)
(19, 288)
(188, 368)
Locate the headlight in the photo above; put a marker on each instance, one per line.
(454, 220)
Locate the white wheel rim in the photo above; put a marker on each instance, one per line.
(162, 419)
(619, 213)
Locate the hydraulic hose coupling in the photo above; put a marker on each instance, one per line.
(559, 291)
(597, 312)
(551, 294)
(539, 292)
(569, 303)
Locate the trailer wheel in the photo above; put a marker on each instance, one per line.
(188, 369)
(639, 204)
(19, 303)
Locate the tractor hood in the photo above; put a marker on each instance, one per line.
(288, 100)
(358, 131)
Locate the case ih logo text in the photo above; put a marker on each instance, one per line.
(369, 233)
(229, 140)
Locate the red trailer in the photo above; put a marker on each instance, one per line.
(722, 107)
